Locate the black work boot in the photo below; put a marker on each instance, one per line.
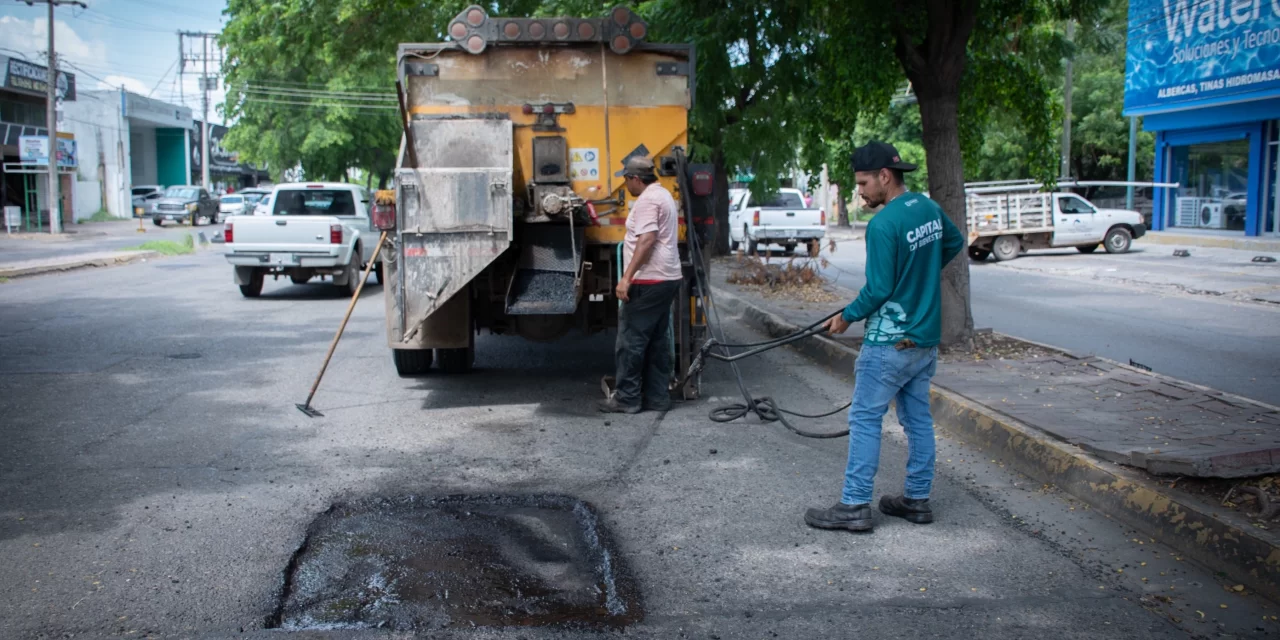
(908, 509)
(611, 406)
(854, 517)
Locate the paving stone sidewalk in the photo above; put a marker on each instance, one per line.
(1128, 416)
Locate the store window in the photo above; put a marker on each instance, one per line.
(1215, 185)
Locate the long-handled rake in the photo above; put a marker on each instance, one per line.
(306, 406)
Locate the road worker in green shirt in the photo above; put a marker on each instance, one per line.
(908, 243)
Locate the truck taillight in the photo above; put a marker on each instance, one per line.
(822, 217)
(335, 234)
(384, 216)
(755, 218)
(227, 236)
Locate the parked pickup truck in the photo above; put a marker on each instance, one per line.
(1004, 225)
(783, 220)
(313, 230)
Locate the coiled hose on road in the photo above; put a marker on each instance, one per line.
(765, 407)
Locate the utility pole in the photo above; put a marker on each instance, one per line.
(1066, 99)
(207, 84)
(51, 115)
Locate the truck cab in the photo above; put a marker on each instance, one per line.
(1007, 224)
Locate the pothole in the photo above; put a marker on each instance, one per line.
(414, 564)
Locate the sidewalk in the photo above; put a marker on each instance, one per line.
(85, 245)
(1100, 430)
(1265, 244)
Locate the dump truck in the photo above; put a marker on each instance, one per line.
(506, 215)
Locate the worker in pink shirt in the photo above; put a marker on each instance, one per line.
(650, 280)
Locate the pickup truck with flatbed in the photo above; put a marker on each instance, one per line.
(314, 230)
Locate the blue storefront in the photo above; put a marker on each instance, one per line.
(1205, 77)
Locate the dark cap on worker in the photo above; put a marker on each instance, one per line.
(638, 166)
(875, 156)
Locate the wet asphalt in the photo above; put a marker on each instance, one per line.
(148, 492)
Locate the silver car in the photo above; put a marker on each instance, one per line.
(240, 203)
(144, 198)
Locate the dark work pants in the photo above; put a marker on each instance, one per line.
(643, 351)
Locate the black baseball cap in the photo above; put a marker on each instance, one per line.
(875, 156)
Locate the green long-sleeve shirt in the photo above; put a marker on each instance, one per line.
(908, 243)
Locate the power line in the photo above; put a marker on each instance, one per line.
(294, 93)
(331, 105)
(153, 89)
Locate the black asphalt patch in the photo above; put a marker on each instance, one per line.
(415, 564)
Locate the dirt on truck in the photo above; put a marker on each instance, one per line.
(507, 215)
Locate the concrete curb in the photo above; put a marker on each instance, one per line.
(106, 259)
(1212, 536)
(1243, 244)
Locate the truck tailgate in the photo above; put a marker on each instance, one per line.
(789, 218)
(279, 232)
(283, 241)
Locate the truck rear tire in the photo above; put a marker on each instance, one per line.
(814, 247)
(353, 275)
(411, 362)
(979, 254)
(1118, 240)
(1006, 248)
(377, 271)
(254, 288)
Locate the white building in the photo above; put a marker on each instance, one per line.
(125, 139)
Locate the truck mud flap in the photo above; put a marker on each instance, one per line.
(549, 278)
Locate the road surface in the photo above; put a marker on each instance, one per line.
(1132, 307)
(156, 480)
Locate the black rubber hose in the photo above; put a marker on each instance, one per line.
(766, 408)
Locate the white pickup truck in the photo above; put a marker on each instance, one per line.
(783, 220)
(315, 229)
(1004, 225)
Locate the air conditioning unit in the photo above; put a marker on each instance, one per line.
(1189, 210)
(1211, 216)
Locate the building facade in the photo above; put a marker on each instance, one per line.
(226, 172)
(1204, 75)
(25, 184)
(129, 140)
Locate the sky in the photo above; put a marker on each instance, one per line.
(114, 43)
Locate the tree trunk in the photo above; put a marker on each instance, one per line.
(842, 211)
(383, 178)
(721, 244)
(940, 120)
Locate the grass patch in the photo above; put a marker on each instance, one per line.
(167, 247)
(4, 280)
(102, 215)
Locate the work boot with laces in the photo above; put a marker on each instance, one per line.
(909, 509)
(853, 517)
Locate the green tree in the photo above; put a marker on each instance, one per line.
(968, 61)
(312, 82)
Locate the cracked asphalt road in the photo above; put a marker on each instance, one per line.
(143, 495)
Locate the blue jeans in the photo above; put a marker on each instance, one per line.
(884, 373)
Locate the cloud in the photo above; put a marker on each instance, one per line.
(130, 84)
(32, 38)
